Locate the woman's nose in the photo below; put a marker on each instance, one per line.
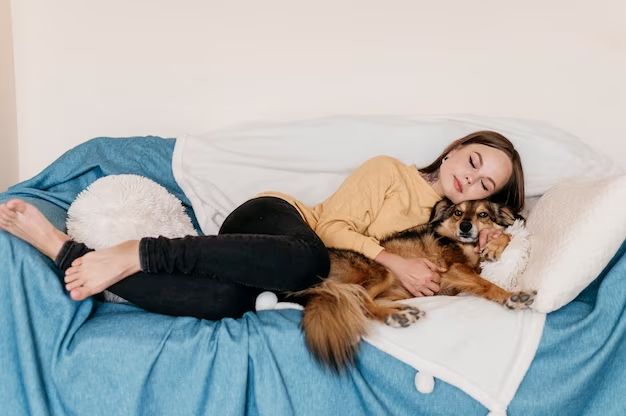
(469, 180)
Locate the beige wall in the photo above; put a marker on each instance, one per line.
(8, 124)
(119, 67)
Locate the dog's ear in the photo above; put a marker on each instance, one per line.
(505, 216)
(440, 211)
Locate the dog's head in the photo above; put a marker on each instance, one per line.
(464, 221)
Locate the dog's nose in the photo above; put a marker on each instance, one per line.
(465, 226)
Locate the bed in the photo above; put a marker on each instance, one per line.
(64, 357)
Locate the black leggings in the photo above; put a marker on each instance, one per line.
(264, 244)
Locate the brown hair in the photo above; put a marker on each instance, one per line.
(512, 193)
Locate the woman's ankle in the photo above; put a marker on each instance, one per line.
(53, 247)
(131, 250)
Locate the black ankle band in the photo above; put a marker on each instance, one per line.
(70, 251)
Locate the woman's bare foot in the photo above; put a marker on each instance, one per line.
(100, 269)
(89, 274)
(25, 221)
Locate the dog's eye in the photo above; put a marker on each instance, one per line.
(482, 215)
(458, 213)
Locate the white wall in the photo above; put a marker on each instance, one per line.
(8, 122)
(119, 67)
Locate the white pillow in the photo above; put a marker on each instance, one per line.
(309, 159)
(117, 208)
(575, 229)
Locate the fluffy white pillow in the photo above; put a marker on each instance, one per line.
(117, 208)
(575, 229)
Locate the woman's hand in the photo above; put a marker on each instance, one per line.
(419, 276)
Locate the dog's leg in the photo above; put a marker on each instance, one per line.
(460, 278)
(393, 313)
(492, 251)
(382, 304)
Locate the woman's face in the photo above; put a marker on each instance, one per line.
(474, 171)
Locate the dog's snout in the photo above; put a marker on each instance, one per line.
(465, 226)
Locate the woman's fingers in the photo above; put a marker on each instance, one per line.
(427, 292)
(434, 287)
(415, 291)
(432, 266)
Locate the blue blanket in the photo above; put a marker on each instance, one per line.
(64, 357)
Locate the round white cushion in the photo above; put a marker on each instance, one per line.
(118, 208)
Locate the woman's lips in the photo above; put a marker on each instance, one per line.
(457, 185)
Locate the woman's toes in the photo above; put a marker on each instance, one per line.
(76, 294)
(73, 285)
(80, 293)
(6, 214)
(77, 262)
(69, 278)
(7, 217)
(16, 205)
(72, 270)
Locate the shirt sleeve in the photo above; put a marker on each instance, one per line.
(347, 213)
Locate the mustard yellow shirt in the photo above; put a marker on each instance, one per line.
(380, 197)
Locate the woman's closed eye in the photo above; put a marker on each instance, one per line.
(474, 166)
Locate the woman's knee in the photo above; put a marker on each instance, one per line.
(313, 268)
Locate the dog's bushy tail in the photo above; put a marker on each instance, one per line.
(334, 320)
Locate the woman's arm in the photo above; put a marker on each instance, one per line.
(389, 260)
(349, 211)
(347, 214)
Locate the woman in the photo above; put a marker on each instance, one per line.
(274, 242)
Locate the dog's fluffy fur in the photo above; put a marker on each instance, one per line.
(358, 288)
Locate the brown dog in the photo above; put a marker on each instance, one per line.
(358, 288)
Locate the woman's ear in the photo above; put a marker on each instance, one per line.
(452, 151)
(440, 211)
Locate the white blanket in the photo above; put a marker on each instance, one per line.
(471, 343)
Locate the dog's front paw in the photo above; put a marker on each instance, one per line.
(494, 248)
(404, 317)
(520, 300)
